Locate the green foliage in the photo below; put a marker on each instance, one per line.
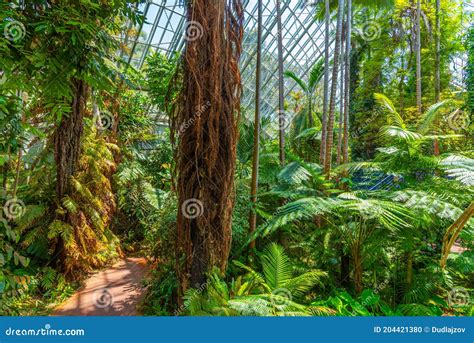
(160, 71)
(274, 293)
(470, 70)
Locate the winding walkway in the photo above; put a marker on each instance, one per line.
(112, 292)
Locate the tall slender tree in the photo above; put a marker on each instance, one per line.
(206, 152)
(437, 67)
(347, 80)
(437, 52)
(327, 22)
(418, 55)
(341, 97)
(332, 103)
(256, 138)
(281, 95)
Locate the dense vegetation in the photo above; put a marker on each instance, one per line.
(358, 204)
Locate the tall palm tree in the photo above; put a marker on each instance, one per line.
(438, 52)
(341, 97)
(256, 137)
(418, 54)
(206, 153)
(345, 146)
(327, 21)
(309, 87)
(281, 95)
(332, 103)
(437, 67)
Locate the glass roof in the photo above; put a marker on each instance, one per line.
(303, 42)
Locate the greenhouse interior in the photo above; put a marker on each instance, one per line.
(237, 158)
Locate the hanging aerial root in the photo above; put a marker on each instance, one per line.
(205, 126)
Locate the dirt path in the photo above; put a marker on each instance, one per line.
(112, 292)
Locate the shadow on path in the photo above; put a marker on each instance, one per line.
(112, 292)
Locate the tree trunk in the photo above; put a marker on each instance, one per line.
(206, 153)
(67, 150)
(409, 276)
(345, 268)
(256, 137)
(452, 233)
(6, 169)
(67, 139)
(281, 95)
(341, 98)
(310, 110)
(347, 80)
(327, 21)
(437, 53)
(437, 68)
(357, 268)
(418, 55)
(332, 104)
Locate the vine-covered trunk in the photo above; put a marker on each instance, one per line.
(67, 139)
(206, 154)
(67, 149)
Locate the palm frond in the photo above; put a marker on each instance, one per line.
(390, 132)
(276, 266)
(460, 168)
(316, 74)
(394, 117)
(430, 116)
(295, 78)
